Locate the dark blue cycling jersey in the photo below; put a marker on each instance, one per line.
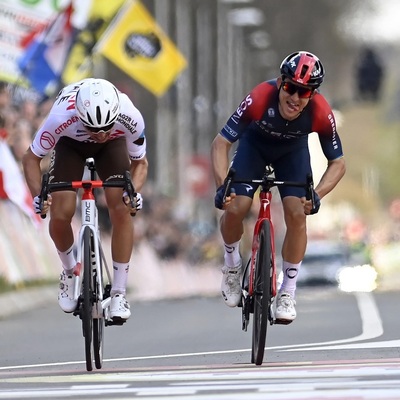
(265, 138)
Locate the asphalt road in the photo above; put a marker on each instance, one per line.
(340, 344)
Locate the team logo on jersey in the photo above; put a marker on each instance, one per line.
(47, 140)
(230, 131)
(128, 122)
(271, 112)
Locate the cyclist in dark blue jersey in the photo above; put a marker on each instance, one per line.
(271, 126)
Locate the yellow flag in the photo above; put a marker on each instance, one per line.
(80, 61)
(137, 45)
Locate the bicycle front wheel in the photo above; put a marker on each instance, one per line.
(98, 323)
(87, 293)
(262, 293)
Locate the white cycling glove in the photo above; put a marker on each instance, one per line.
(139, 201)
(36, 205)
(138, 198)
(46, 205)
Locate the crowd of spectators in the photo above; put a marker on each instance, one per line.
(158, 223)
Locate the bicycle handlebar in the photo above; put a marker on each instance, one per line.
(267, 182)
(125, 183)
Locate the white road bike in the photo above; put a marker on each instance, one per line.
(93, 277)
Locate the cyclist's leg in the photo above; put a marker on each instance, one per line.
(113, 160)
(66, 165)
(248, 164)
(231, 223)
(294, 166)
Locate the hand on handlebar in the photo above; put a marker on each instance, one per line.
(138, 202)
(308, 204)
(219, 200)
(41, 207)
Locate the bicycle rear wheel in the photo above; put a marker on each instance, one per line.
(262, 293)
(87, 292)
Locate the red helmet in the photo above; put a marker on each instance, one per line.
(304, 68)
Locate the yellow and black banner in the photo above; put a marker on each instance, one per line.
(80, 61)
(137, 45)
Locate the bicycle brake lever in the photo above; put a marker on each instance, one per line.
(44, 192)
(228, 183)
(130, 190)
(310, 190)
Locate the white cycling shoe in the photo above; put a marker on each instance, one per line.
(66, 293)
(231, 288)
(119, 308)
(285, 309)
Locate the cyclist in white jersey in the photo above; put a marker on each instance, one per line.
(90, 119)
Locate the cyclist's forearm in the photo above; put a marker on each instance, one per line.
(333, 174)
(139, 173)
(32, 172)
(220, 159)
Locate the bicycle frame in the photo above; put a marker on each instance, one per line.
(89, 217)
(264, 214)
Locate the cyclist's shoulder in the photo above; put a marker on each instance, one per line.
(264, 90)
(128, 111)
(322, 115)
(319, 104)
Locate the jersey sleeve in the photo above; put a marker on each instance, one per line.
(324, 124)
(251, 108)
(47, 135)
(133, 122)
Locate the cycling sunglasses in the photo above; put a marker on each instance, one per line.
(103, 129)
(291, 88)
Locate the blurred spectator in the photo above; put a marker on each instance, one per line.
(369, 76)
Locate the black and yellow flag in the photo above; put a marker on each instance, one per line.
(137, 45)
(80, 62)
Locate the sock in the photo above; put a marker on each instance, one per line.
(68, 259)
(120, 278)
(232, 255)
(290, 272)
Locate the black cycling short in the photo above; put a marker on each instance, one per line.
(289, 158)
(69, 156)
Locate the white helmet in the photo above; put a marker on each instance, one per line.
(97, 104)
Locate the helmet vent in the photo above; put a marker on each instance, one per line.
(98, 115)
(89, 119)
(303, 72)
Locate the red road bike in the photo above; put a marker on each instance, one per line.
(259, 284)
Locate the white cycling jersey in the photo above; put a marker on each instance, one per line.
(63, 121)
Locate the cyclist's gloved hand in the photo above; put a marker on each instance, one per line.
(139, 201)
(317, 203)
(219, 197)
(36, 205)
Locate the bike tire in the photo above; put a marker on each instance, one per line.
(98, 324)
(262, 293)
(87, 303)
